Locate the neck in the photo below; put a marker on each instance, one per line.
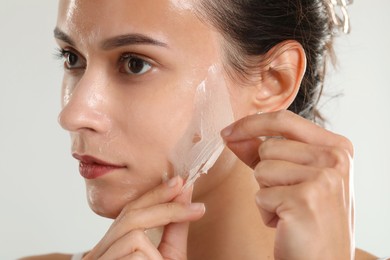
(232, 227)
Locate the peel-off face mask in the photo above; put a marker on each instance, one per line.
(201, 145)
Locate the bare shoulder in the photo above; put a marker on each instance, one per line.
(363, 255)
(48, 257)
(360, 255)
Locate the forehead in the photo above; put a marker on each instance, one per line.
(91, 19)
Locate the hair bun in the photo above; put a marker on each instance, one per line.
(339, 14)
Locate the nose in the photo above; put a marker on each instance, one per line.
(86, 107)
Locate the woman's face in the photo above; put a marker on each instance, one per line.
(131, 71)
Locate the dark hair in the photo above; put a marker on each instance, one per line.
(252, 27)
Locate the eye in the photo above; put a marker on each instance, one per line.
(134, 65)
(71, 60)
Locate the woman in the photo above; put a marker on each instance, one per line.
(132, 71)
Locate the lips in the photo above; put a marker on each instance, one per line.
(92, 168)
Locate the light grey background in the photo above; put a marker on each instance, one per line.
(43, 206)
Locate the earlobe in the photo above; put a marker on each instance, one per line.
(281, 77)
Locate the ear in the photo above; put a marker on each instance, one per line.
(281, 77)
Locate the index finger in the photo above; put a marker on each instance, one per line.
(286, 124)
(174, 240)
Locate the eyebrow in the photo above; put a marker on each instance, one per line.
(60, 35)
(130, 39)
(115, 42)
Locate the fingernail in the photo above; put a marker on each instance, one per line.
(197, 207)
(227, 131)
(172, 182)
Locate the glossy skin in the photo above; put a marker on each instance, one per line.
(132, 121)
(105, 108)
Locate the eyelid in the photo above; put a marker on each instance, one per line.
(73, 50)
(65, 50)
(126, 56)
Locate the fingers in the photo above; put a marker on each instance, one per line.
(291, 151)
(136, 256)
(288, 203)
(308, 198)
(185, 196)
(286, 124)
(302, 153)
(134, 245)
(271, 173)
(304, 179)
(286, 162)
(174, 241)
(268, 200)
(161, 194)
(159, 207)
(247, 151)
(155, 216)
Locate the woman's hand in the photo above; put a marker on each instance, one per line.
(163, 206)
(305, 183)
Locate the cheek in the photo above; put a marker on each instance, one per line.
(201, 144)
(151, 122)
(157, 136)
(241, 97)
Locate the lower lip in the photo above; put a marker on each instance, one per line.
(92, 171)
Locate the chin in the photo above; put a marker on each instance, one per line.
(106, 208)
(108, 204)
(106, 211)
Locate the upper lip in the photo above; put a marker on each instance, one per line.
(88, 159)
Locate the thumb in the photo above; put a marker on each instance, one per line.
(174, 240)
(247, 151)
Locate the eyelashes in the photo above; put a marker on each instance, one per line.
(129, 63)
(71, 59)
(59, 54)
(134, 65)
